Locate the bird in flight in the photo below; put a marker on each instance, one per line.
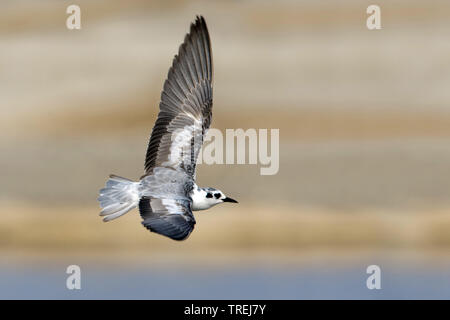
(167, 193)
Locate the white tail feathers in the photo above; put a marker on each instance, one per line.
(118, 197)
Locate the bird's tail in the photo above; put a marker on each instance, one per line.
(119, 196)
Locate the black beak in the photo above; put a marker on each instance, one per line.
(229, 200)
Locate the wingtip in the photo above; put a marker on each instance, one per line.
(199, 21)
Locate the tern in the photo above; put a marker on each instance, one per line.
(167, 193)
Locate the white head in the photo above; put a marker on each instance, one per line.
(205, 198)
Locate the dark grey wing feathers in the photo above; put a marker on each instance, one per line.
(176, 139)
(186, 105)
(170, 218)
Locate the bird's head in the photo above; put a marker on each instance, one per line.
(215, 196)
(205, 198)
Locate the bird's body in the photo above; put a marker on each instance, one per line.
(167, 193)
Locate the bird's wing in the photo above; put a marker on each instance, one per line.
(165, 204)
(186, 104)
(172, 218)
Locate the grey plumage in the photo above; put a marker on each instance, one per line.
(159, 217)
(176, 139)
(166, 191)
(186, 105)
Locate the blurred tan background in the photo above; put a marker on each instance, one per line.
(364, 119)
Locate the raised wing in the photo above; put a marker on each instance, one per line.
(172, 218)
(186, 104)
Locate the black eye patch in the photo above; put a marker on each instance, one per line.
(209, 195)
(217, 195)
